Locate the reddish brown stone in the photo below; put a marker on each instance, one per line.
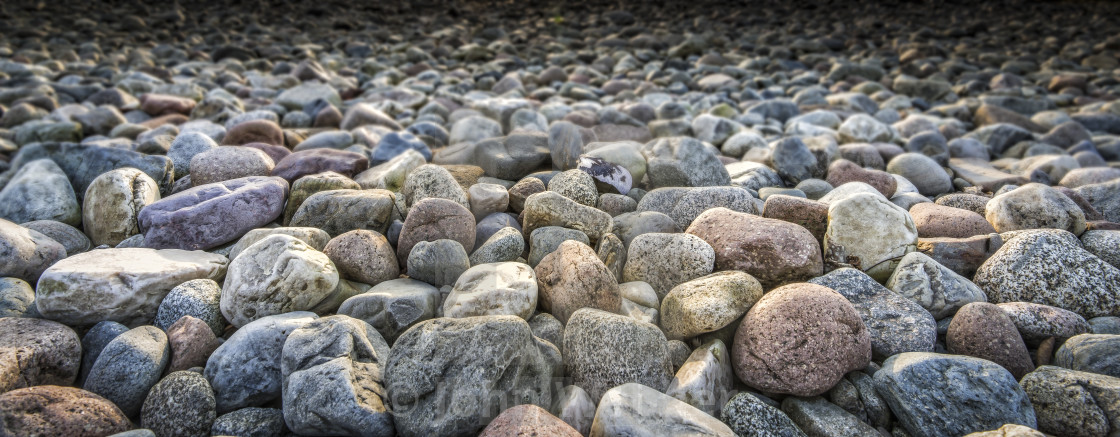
(933, 220)
(175, 119)
(37, 352)
(327, 117)
(522, 190)
(773, 251)
(573, 277)
(254, 131)
(162, 104)
(961, 255)
(50, 410)
(192, 342)
(842, 171)
(528, 420)
(273, 151)
(810, 214)
(363, 256)
(1102, 225)
(983, 330)
(435, 219)
(800, 339)
(989, 114)
(315, 161)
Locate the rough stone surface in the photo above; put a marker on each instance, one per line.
(636, 409)
(55, 410)
(276, 275)
(1051, 268)
(604, 350)
(469, 363)
(800, 339)
(943, 395)
(773, 251)
(37, 352)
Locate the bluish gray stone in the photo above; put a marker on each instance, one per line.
(128, 367)
(245, 371)
(951, 395)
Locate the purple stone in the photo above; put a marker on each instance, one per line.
(315, 161)
(210, 215)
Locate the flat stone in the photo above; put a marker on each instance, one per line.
(552, 209)
(88, 288)
(83, 163)
(341, 211)
(208, 216)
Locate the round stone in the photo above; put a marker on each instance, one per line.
(363, 256)
(181, 404)
(800, 339)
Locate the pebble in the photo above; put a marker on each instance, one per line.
(773, 251)
(1094, 353)
(602, 350)
(896, 324)
(983, 330)
(198, 298)
(1050, 267)
(506, 288)
(277, 275)
(573, 277)
(245, 371)
(332, 369)
(26, 253)
(663, 165)
(708, 304)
